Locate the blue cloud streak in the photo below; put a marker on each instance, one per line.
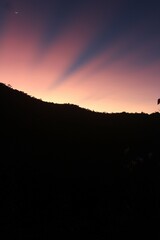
(130, 15)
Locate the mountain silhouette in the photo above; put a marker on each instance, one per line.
(70, 171)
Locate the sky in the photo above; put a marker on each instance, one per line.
(102, 55)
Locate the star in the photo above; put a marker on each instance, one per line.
(16, 12)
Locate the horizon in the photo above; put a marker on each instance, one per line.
(68, 103)
(99, 55)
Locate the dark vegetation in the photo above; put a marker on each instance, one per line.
(67, 171)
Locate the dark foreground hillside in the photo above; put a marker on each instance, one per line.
(70, 172)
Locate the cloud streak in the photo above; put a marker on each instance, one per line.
(122, 23)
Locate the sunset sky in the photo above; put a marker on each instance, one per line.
(103, 55)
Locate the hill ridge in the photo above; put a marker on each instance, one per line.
(81, 169)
